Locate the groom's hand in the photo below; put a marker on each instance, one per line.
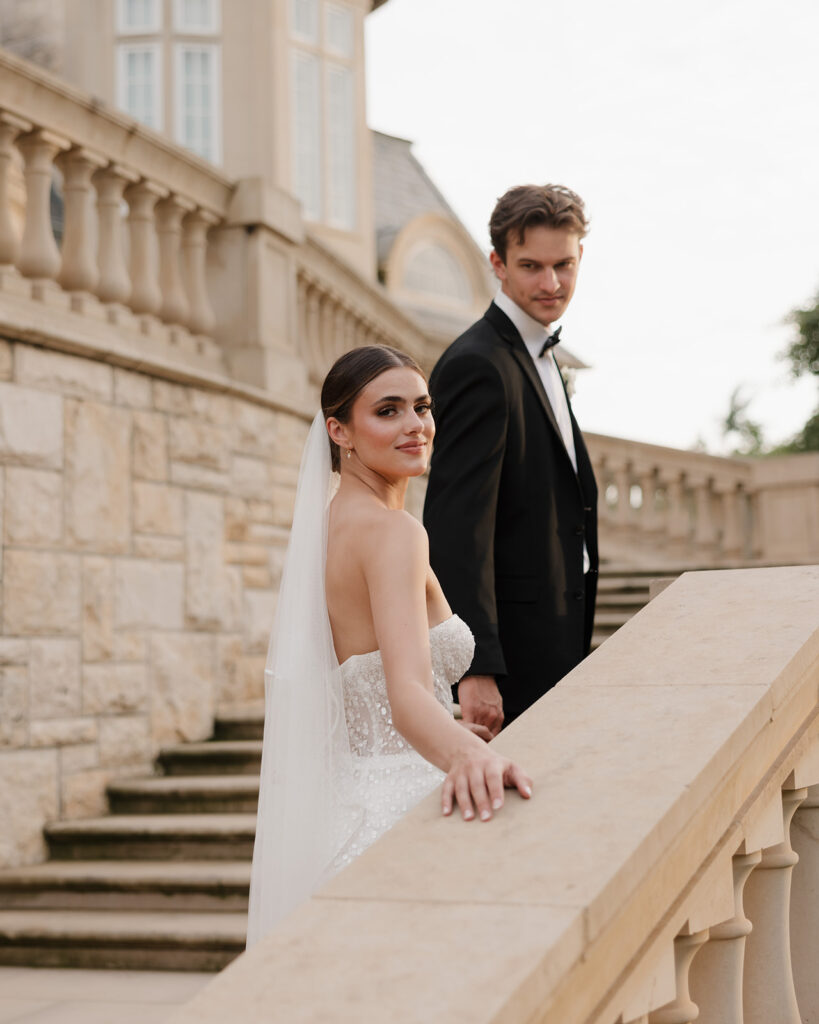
(481, 702)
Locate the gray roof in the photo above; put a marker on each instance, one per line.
(402, 190)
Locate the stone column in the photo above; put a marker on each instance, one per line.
(145, 296)
(114, 283)
(805, 906)
(716, 974)
(677, 512)
(175, 308)
(10, 128)
(768, 990)
(649, 521)
(622, 479)
(194, 251)
(704, 525)
(78, 272)
(732, 526)
(39, 255)
(682, 1010)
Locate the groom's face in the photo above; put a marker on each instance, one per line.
(540, 273)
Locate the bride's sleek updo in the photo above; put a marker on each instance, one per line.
(348, 377)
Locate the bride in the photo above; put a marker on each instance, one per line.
(365, 649)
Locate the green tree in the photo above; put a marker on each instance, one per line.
(745, 433)
(803, 355)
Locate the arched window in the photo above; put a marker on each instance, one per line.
(432, 269)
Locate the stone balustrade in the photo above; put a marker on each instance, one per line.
(133, 255)
(336, 313)
(164, 262)
(662, 505)
(650, 880)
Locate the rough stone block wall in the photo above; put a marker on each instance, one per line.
(143, 526)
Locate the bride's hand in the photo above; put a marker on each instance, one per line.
(479, 730)
(477, 779)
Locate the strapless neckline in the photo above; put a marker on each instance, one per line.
(369, 654)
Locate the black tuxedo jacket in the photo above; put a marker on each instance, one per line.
(507, 515)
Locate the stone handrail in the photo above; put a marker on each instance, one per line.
(668, 506)
(647, 882)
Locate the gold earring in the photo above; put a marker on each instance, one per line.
(349, 453)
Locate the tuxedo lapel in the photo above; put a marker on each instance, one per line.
(511, 336)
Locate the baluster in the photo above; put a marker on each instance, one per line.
(175, 308)
(716, 974)
(732, 522)
(146, 296)
(313, 329)
(10, 128)
(78, 272)
(39, 255)
(682, 1010)
(805, 906)
(649, 519)
(622, 479)
(114, 283)
(768, 990)
(704, 527)
(677, 512)
(194, 261)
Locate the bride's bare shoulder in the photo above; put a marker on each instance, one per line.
(379, 530)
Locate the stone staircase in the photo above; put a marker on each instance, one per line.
(159, 883)
(162, 881)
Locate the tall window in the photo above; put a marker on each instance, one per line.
(197, 17)
(139, 82)
(138, 17)
(198, 80)
(324, 111)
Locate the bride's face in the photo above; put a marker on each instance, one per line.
(391, 427)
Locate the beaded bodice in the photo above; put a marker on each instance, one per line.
(366, 706)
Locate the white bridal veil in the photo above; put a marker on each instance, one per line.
(307, 802)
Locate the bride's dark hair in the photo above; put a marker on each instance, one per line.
(350, 374)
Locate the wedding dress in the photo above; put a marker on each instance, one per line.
(393, 776)
(335, 773)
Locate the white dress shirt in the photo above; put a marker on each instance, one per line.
(534, 334)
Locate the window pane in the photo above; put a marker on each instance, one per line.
(197, 91)
(304, 19)
(432, 269)
(197, 15)
(138, 88)
(339, 30)
(307, 133)
(138, 15)
(342, 149)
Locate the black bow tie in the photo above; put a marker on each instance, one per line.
(550, 342)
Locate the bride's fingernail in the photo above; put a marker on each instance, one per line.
(485, 815)
(497, 803)
(468, 815)
(527, 790)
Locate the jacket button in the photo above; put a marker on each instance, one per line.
(579, 595)
(579, 531)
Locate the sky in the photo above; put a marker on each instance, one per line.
(692, 132)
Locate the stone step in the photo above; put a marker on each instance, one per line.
(126, 885)
(154, 837)
(622, 599)
(215, 757)
(611, 620)
(183, 794)
(243, 722)
(132, 941)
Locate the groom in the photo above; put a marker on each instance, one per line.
(511, 507)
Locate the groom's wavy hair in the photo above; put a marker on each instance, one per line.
(348, 377)
(529, 206)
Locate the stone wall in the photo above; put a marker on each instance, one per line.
(143, 524)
